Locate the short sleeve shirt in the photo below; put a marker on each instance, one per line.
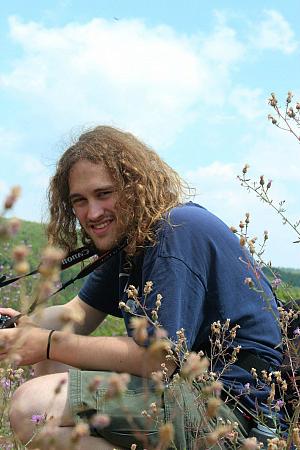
(199, 268)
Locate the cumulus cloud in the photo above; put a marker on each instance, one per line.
(150, 80)
(248, 103)
(274, 33)
(218, 189)
(37, 172)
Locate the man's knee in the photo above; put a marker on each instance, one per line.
(20, 412)
(37, 398)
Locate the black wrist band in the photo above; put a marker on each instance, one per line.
(49, 343)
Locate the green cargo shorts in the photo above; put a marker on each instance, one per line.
(129, 423)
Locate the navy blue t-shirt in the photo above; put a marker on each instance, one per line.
(199, 268)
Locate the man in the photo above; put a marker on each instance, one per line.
(117, 189)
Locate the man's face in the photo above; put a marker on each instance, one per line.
(93, 197)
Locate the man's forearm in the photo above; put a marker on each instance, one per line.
(83, 318)
(117, 354)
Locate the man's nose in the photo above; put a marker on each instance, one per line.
(95, 210)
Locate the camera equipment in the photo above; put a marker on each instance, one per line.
(72, 258)
(6, 322)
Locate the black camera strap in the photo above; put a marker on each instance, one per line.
(73, 258)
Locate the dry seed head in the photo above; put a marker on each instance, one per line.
(22, 267)
(139, 326)
(249, 282)
(132, 292)
(166, 435)
(271, 397)
(261, 180)
(117, 384)
(100, 420)
(254, 373)
(79, 431)
(148, 287)
(72, 316)
(251, 444)
(94, 384)
(251, 248)
(12, 197)
(20, 252)
(245, 168)
(272, 100)
(158, 378)
(50, 262)
(296, 437)
(289, 97)
(212, 407)
(158, 349)
(291, 113)
(216, 327)
(153, 408)
(242, 241)
(123, 305)
(194, 366)
(273, 120)
(219, 432)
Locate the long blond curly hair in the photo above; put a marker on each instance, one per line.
(148, 188)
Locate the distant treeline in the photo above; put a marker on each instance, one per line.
(33, 234)
(288, 276)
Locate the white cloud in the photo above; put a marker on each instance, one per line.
(277, 153)
(219, 190)
(38, 172)
(150, 80)
(214, 170)
(248, 103)
(274, 33)
(222, 46)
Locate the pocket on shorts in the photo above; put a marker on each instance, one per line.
(128, 424)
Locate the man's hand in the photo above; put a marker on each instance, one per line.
(9, 312)
(24, 345)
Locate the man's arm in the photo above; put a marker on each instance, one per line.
(117, 354)
(55, 317)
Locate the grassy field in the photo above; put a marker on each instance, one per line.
(32, 234)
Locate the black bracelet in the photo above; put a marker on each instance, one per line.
(49, 343)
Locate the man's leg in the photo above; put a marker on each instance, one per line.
(47, 395)
(48, 367)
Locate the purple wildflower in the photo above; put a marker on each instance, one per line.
(279, 404)
(297, 331)
(276, 282)
(5, 383)
(38, 418)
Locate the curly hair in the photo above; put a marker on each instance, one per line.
(148, 188)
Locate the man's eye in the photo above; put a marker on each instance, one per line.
(104, 194)
(77, 201)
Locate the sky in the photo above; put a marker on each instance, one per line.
(192, 79)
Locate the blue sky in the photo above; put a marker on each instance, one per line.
(190, 78)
